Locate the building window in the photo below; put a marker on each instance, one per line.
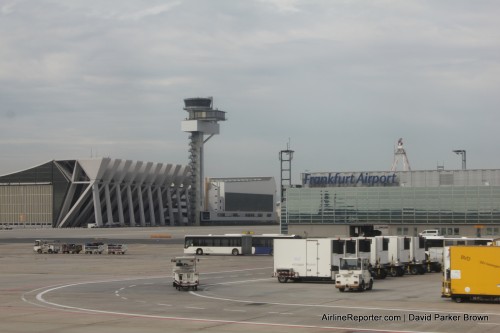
(491, 231)
(402, 231)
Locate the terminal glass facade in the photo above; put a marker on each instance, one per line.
(394, 205)
(442, 199)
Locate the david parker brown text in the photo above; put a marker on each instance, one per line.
(406, 317)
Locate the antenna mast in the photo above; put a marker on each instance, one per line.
(400, 154)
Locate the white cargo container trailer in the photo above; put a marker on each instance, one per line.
(420, 261)
(304, 259)
(406, 255)
(399, 252)
(374, 249)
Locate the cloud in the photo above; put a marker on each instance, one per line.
(342, 79)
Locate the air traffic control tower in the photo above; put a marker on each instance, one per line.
(202, 120)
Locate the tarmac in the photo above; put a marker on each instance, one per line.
(75, 293)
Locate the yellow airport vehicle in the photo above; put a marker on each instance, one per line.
(471, 273)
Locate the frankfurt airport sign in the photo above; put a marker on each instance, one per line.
(338, 179)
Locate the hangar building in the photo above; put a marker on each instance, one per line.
(103, 191)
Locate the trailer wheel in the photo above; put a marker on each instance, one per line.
(414, 270)
(370, 285)
(393, 272)
(362, 287)
(341, 289)
(235, 252)
(282, 279)
(199, 252)
(39, 251)
(400, 271)
(195, 288)
(458, 299)
(50, 251)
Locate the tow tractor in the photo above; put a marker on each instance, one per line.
(46, 246)
(185, 273)
(354, 274)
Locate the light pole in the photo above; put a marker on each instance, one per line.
(464, 158)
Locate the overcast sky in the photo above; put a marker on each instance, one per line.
(342, 80)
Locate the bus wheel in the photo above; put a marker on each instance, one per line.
(199, 252)
(235, 252)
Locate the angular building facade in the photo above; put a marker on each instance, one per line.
(102, 192)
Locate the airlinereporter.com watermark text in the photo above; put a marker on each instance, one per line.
(409, 317)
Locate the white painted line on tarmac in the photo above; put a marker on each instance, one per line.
(194, 308)
(62, 307)
(328, 306)
(125, 298)
(235, 282)
(237, 270)
(231, 310)
(161, 304)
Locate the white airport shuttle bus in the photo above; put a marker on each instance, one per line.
(232, 244)
(434, 245)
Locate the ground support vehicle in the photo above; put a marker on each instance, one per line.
(401, 260)
(185, 274)
(46, 246)
(71, 248)
(94, 248)
(354, 274)
(416, 259)
(116, 248)
(471, 273)
(304, 259)
(375, 249)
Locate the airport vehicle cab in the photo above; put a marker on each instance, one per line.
(354, 274)
(185, 274)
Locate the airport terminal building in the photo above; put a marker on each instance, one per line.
(102, 192)
(457, 202)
